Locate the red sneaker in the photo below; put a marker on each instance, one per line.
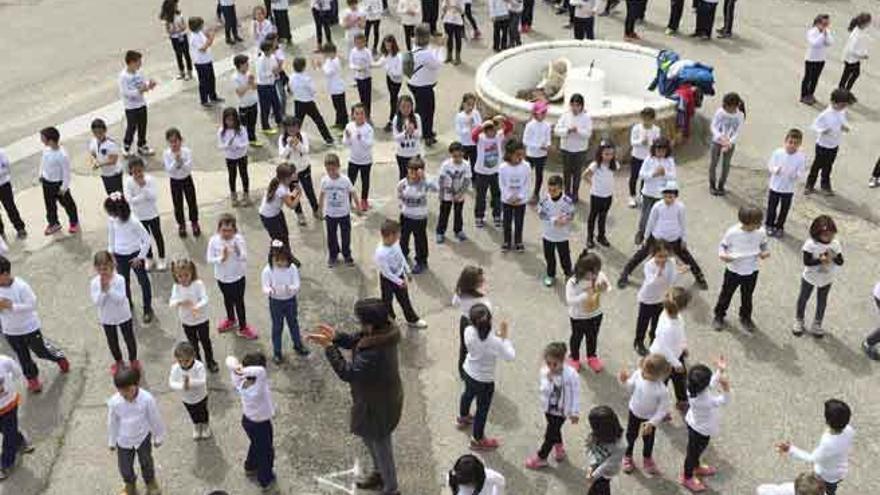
(574, 363)
(73, 229)
(365, 205)
(34, 385)
(197, 230)
(116, 367)
(226, 325)
(693, 484)
(484, 444)
(248, 332)
(559, 452)
(595, 364)
(650, 466)
(477, 35)
(64, 365)
(628, 464)
(535, 462)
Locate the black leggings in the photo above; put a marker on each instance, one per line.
(469, 15)
(812, 71)
(675, 246)
(7, 198)
(154, 227)
(635, 165)
(697, 443)
(804, 296)
(180, 189)
(304, 177)
(587, 329)
(125, 328)
(364, 170)
(823, 162)
(233, 300)
(323, 20)
(537, 163)
(372, 26)
(483, 185)
(552, 434)
(782, 201)
(230, 22)
(303, 109)
(456, 209)
(181, 53)
(463, 322)
(601, 486)
(648, 314)
(500, 30)
(365, 93)
(635, 9)
(851, 72)
(276, 227)
(454, 33)
(199, 334)
(249, 121)
(598, 211)
(632, 432)
(238, 165)
(393, 93)
(679, 381)
(512, 217)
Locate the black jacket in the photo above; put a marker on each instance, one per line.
(374, 378)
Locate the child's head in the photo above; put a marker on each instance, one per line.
(331, 165)
(389, 46)
(698, 379)
(489, 128)
(731, 102)
(514, 151)
(272, 39)
(5, 272)
(823, 229)
(169, 10)
(456, 151)
(254, 359)
(50, 136)
(231, 119)
(861, 21)
(259, 13)
(471, 282)
(126, 381)
(481, 318)
(793, 140)
(183, 271)
(105, 264)
(133, 60)
(659, 251)
(195, 23)
(606, 154)
(468, 102)
(670, 191)
(360, 40)
(117, 207)
(352, 4)
(267, 46)
(174, 138)
(554, 186)
(604, 425)
(750, 217)
(415, 169)
(822, 21)
(809, 484)
(404, 107)
(328, 50)
(241, 62)
(185, 354)
(841, 98)
(390, 232)
(587, 266)
(290, 125)
(468, 471)
(655, 368)
(299, 64)
(372, 314)
(280, 255)
(554, 356)
(661, 148)
(576, 103)
(648, 115)
(359, 113)
(837, 414)
(676, 300)
(227, 226)
(99, 129)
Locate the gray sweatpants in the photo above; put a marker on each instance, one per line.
(382, 452)
(125, 459)
(725, 164)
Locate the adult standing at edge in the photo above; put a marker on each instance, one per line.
(426, 64)
(376, 390)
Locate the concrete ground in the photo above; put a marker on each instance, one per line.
(56, 71)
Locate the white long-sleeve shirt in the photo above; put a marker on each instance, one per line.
(641, 140)
(21, 318)
(261, 30)
(5, 171)
(234, 267)
(178, 165)
(142, 199)
(856, 48)
(233, 143)
(453, 179)
(198, 382)
(130, 84)
(514, 181)
(745, 247)
(10, 376)
(112, 304)
(271, 207)
(703, 415)
(494, 485)
(817, 44)
(199, 50)
(670, 340)
(280, 283)
(601, 180)
(578, 291)
(426, 66)
(649, 399)
(359, 140)
(360, 61)
(407, 143)
(465, 123)
(302, 87)
(252, 385)
(267, 68)
(296, 155)
(102, 151)
(786, 169)
(652, 187)
(560, 393)
(128, 237)
(129, 423)
(465, 302)
(780, 489)
(551, 211)
(337, 195)
(55, 166)
(656, 282)
(194, 293)
(391, 262)
(413, 197)
(831, 457)
(828, 127)
(409, 12)
(332, 70)
(537, 136)
(578, 140)
(821, 275)
(394, 67)
(667, 221)
(483, 354)
(498, 9)
(726, 125)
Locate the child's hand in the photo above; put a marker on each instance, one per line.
(186, 382)
(574, 419)
(136, 263)
(112, 448)
(503, 329)
(157, 443)
(681, 267)
(623, 375)
(764, 255)
(721, 363)
(322, 336)
(659, 171)
(679, 369)
(783, 447)
(647, 429)
(845, 128)
(726, 258)
(724, 383)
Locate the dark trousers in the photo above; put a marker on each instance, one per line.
(52, 196)
(513, 28)
(851, 72)
(381, 451)
(323, 20)
(135, 121)
(430, 14)
(198, 412)
(537, 164)
(365, 93)
(340, 109)
(484, 184)
(424, 100)
(512, 217)
(706, 18)
(469, 15)
(572, 167)
(456, 207)
(418, 228)
(454, 34)
(804, 296)
(598, 212)
(729, 7)
(282, 310)
(249, 120)
(601, 486)
(876, 172)
(552, 434)
(697, 443)
(238, 166)
(207, 83)
(482, 392)
(831, 488)
(355, 169)
(127, 331)
(682, 252)
(635, 9)
(374, 27)
(584, 329)
(230, 22)
(649, 315)
(124, 268)
(402, 165)
(269, 102)
(584, 28)
(112, 183)
(308, 188)
(408, 33)
(675, 12)
(633, 426)
(551, 250)
(233, 300)
(746, 285)
(261, 451)
(470, 154)
(276, 227)
(144, 453)
(200, 334)
(822, 163)
(181, 53)
(302, 109)
(390, 290)
(635, 166)
(528, 13)
(780, 201)
(393, 94)
(500, 30)
(34, 342)
(184, 189)
(464, 322)
(812, 71)
(13, 439)
(679, 381)
(282, 24)
(7, 198)
(647, 205)
(343, 241)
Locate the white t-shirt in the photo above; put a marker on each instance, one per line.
(744, 247)
(197, 41)
(234, 267)
(233, 143)
(465, 123)
(829, 127)
(113, 308)
(249, 97)
(652, 187)
(271, 207)
(337, 196)
(360, 61)
(482, 354)
(55, 166)
(494, 485)
(602, 182)
(649, 399)
(514, 182)
(279, 283)
(196, 294)
(5, 172)
(831, 457)
(856, 48)
(179, 166)
(821, 275)
(670, 340)
(22, 317)
(267, 66)
(656, 283)
(549, 211)
(578, 291)
(142, 198)
(332, 69)
(489, 153)
(791, 167)
(704, 415)
(576, 141)
(537, 138)
(102, 151)
(129, 89)
(359, 139)
(641, 140)
(302, 87)
(407, 143)
(726, 124)
(198, 382)
(817, 44)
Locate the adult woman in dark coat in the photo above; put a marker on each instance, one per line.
(374, 378)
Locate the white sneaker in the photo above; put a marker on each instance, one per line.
(874, 182)
(148, 264)
(206, 431)
(197, 431)
(419, 324)
(161, 265)
(632, 202)
(816, 329)
(301, 220)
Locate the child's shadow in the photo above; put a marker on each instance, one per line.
(210, 466)
(431, 285)
(472, 251)
(505, 412)
(843, 356)
(759, 347)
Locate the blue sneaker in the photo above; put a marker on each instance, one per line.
(441, 238)
(460, 236)
(419, 268)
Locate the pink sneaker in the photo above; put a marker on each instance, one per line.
(135, 364)
(595, 364)
(484, 444)
(116, 367)
(73, 229)
(574, 363)
(248, 332)
(705, 471)
(535, 462)
(559, 452)
(650, 466)
(64, 365)
(34, 385)
(693, 484)
(226, 325)
(628, 465)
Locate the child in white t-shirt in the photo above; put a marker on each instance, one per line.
(188, 377)
(537, 137)
(336, 198)
(104, 156)
(786, 165)
(822, 254)
(600, 176)
(199, 48)
(641, 138)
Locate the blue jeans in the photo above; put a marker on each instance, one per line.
(482, 392)
(12, 437)
(281, 309)
(124, 269)
(269, 102)
(261, 451)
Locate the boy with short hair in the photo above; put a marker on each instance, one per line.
(267, 70)
(199, 48)
(641, 136)
(188, 377)
(14, 441)
(332, 69)
(394, 274)
(132, 86)
(804, 484)
(134, 427)
(787, 164)
(337, 195)
(7, 198)
(360, 61)
(556, 211)
(303, 90)
(741, 248)
(454, 181)
(412, 194)
(829, 126)
(55, 179)
(104, 155)
(246, 90)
